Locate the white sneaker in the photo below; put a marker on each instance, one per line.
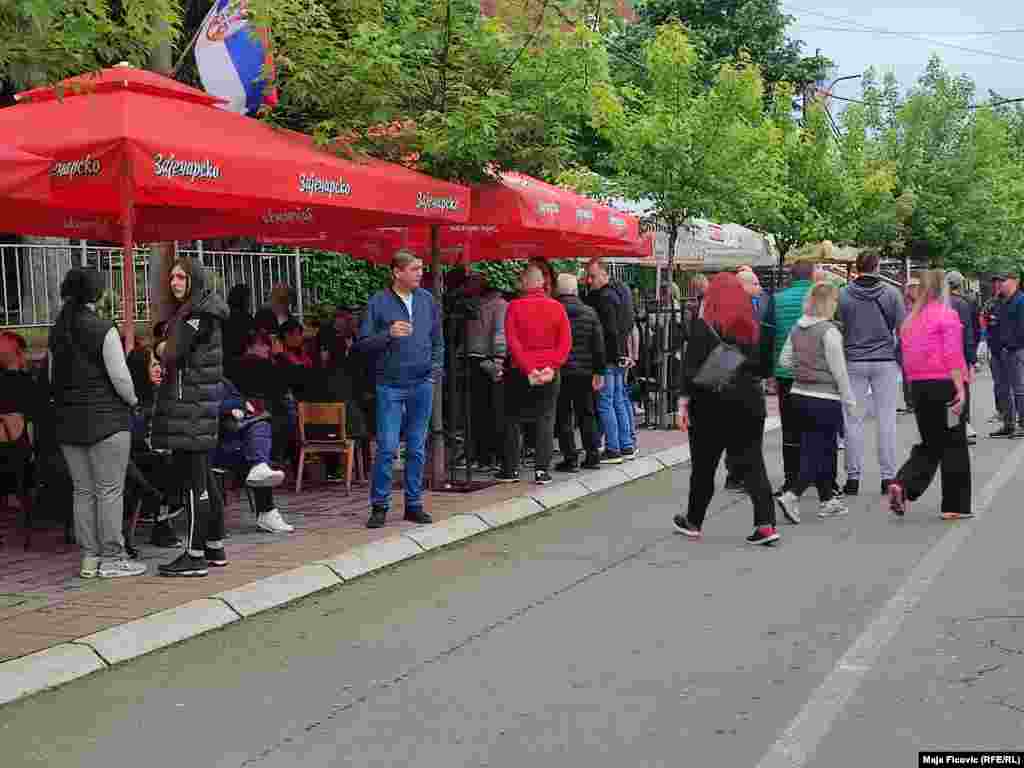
(272, 522)
(789, 505)
(90, 565)
(115, 569)
(832, 508)
(262, 476)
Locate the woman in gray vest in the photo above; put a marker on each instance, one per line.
(821, 385)
(93, 400)
(186, 419)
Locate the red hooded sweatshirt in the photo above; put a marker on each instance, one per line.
(538, 333)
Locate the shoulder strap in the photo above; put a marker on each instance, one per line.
(888, 324)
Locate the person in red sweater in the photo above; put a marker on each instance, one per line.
(539, 339)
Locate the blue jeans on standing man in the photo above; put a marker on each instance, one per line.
(613, 412)
(401, 409)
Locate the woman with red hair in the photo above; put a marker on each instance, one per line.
(729, 420)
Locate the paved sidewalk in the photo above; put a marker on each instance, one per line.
(44, 603)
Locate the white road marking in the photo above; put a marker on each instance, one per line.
(801, 738)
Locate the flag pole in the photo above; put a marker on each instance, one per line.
(192, 42)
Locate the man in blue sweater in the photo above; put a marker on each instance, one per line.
(402, 332)
(1011, 338)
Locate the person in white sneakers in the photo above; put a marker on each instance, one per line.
(821, 385)
(246, 439)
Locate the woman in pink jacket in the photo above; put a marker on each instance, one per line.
(933, 361)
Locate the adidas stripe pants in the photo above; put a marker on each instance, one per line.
(204, 507)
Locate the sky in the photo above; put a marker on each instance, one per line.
(839, 31)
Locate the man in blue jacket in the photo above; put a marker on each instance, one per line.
(401, 331)
(1011, 338)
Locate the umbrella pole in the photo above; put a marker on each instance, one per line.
(438, 463)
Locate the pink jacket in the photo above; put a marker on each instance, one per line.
(932, 344)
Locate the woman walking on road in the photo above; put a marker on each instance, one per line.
(187, 415)
(932, 343)
(93, 398)
(814, 352)
(727, 419)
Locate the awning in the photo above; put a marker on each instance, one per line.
(516, 217)
(22, 173)
(132, 143)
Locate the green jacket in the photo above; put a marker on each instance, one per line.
(787, 307)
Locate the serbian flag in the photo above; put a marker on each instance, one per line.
(231, 54)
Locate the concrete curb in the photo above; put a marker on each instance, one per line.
(279, 589)
(63, 663)
(38, 671)
(159, 630)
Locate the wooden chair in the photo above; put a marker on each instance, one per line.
(322, 430)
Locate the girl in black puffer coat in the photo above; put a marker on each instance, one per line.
(187, 413)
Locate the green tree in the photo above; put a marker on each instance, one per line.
(46, 40)
(690, 150)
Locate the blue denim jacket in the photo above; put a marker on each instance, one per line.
(410, 360)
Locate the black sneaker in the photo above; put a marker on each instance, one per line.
(418, 515)
(216, 558)
(591, 462)
(734, 484)
(683, 525)
(764, 535)
(184, 565)
(852, 488)
(628, 454)
(378, 517)
(1005, 432)
(542, 477)
(567, 466)
(507, 477)
(611, 457)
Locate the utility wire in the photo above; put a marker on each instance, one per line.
(907, 35)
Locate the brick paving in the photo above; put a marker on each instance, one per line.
(44, 603)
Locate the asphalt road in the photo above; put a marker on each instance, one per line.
(596, 637)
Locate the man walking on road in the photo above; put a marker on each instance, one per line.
(402, 330)
(612, 404)
(539, 339)
(782, 313)
(582, 376)
(967, 311)
(995, 351)
(871, 312)
(1011, 338)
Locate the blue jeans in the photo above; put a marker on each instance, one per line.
(613, 412)
(401, 410)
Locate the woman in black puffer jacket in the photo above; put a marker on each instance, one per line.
(186, 418)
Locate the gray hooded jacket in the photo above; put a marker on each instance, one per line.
(871, 313)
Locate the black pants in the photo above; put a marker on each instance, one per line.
(488, 416)
(820, 420)
(526, 403)
(940, 448)
(734, 426)
(791, 431)
(576, 399)
(204, 505)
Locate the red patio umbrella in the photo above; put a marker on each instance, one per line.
(517, 217)
(22, 172)
(140, 157)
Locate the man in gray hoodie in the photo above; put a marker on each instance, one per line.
(871, 313)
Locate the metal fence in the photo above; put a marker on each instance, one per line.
(31, 275)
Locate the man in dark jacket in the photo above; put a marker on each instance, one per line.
(612, 404)
(968, 313)
(995, 348)
(1011, 338)
(402, 330)
(582, 376)
(186, 419)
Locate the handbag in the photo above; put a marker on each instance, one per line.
(718, 372)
